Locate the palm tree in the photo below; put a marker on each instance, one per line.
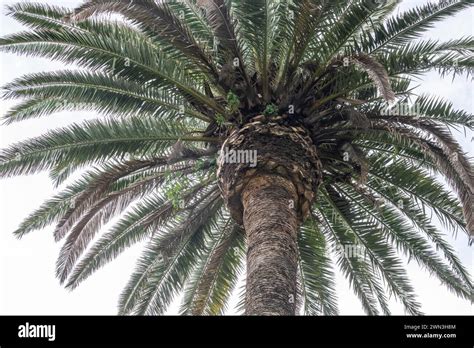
(316, 89)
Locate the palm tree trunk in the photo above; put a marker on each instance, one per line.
(270, 198)
(271, 225)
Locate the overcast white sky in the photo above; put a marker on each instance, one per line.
(27, 281)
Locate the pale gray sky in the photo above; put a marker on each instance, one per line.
(27, 281)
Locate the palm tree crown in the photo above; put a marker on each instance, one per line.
(177, 81)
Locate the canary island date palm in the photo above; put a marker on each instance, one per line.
(307, 85)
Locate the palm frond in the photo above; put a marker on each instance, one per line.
(412, 24)
(105, 94)
(395, 223)
(156, 19)
(358, 271)
(114, 50)
(317, 277)
(377, 73)
(93, 142)
(169, 256)
(381, 255)
(150, 215)
(216, 276)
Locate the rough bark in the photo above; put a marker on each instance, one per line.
(271, 200)
(271, 225)
(285, 151)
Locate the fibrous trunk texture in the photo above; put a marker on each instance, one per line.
(271, 225)
(270, 198)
